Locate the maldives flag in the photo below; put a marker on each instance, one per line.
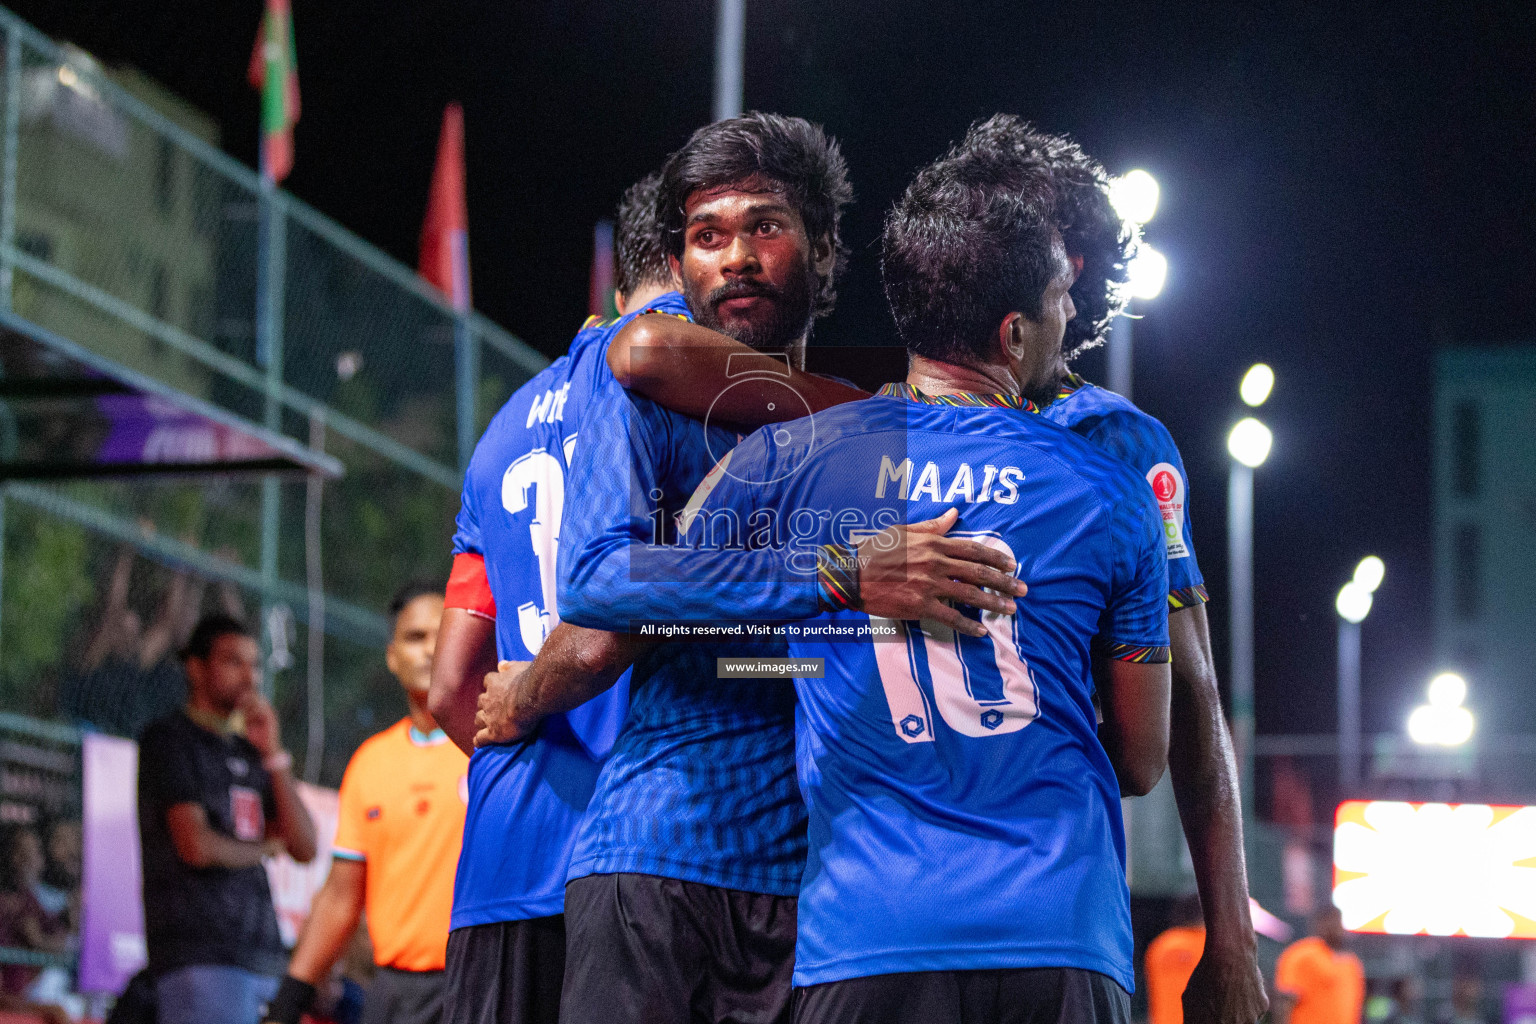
(444, 260)
(275, 71)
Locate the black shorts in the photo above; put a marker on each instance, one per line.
(505, 973)
(651, 950)
(404, 997)
(1024, 995)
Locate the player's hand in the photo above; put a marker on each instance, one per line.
(494, 719)
(273, 847)
(260, 724)
(1226, 988)
(916, 572)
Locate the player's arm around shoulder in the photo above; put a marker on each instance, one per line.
(1137, 711)
(693, 370)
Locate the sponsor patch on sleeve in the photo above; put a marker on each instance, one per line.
(1168, 487)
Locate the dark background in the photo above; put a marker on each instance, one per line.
(1345, 187)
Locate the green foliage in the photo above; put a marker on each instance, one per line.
(47, 585)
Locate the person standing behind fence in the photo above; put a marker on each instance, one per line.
(213, 803)
(400, 827)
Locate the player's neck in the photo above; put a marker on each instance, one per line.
(936, 377)
(421, 719)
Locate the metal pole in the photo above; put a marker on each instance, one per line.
(8, 174)
(314, 580)
(1119, 355)
(1240, 596)
(730, 41)
(466, 357)
(270, 260)
(1349, 706)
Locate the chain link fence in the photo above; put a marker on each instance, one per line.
(125, 229)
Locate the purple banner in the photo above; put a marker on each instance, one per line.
(112, 910)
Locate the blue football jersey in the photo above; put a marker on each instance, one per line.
(525, 801)
(1127, 433)
(700, 785)
(963, 812)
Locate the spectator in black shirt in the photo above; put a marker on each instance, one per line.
(212, 804)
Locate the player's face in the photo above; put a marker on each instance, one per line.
(228, 675)
(747, 268)
(1040, 363)
(409, 655)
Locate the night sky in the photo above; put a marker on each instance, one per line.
(1345, 187)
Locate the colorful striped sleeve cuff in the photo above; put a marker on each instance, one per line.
(837, 577)
(1141, 655)
(1187, 597)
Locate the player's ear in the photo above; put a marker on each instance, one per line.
(618, 302)
(677, 271)
(1012, 338)
(823, 255)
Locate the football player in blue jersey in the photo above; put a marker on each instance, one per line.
(506, 952)
(506, 949)
(966, 854)
(1227, 986)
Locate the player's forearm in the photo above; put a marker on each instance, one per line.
(694, 370)
(1204, 775)
(622, 580)
(466, 651)
(332, 921)
(293, 826)
(573, 666)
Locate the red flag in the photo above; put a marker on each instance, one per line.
(444, 260)
(274, 69)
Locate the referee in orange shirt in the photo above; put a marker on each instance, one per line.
(397, 846)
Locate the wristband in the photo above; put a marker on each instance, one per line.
(278, 761)
(292, 1000)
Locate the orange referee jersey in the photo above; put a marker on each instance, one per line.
(1328, 985)
(402, 811)
(1171, 959)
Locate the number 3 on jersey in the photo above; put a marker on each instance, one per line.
(981, 685)
(544, 475)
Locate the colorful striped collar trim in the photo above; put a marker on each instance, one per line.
(1072, 383)
(964, 398)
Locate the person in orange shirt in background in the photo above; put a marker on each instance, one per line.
(1171, 959)
(1316, 980)
(400, 826)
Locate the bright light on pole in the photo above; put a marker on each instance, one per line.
(1250, 442)
(1369, 573)
(1443, 722)
(1134, 196)
(1257, 384)
(1447, 690)
(1148, 272)
(1353, 603)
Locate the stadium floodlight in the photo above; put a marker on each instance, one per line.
(1353, 602)
(1447, 690)
(1249, 442)
(1256, 385)
(1443, 722)
(1134, 196)
(1148, 271)
(1370, 572)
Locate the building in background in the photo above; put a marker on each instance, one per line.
(1485, 528)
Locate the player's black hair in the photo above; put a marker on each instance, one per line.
(640, 254)
(1089, 226)
(408, 593)
(208, 629)
(790, 155)
(969, 242)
